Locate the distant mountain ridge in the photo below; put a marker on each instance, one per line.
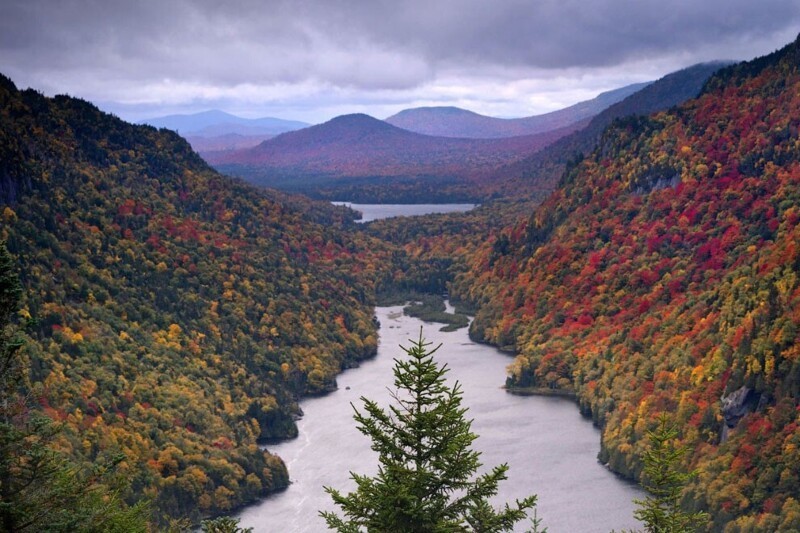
(540, 172)
(362, 147)
(214, 123)
(212, 131)
(356, 154)
(457, 122)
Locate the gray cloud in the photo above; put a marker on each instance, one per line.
(272, 51)
(575, 33)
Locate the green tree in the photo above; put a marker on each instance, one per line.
(40, 489)
(224, 524)
(661, 511)
(424, 481)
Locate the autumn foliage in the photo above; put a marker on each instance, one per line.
(175, 315)
(662, 275)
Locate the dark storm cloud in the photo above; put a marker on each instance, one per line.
(567, 33)
(205, 50)
(181, 39)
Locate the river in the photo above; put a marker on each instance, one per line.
(550, 448)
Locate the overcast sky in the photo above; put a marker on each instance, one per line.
(315, 59)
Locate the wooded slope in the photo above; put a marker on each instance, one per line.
(173, 314)
(662, 275)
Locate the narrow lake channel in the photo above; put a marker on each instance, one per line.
(370, 212)
(550, 448)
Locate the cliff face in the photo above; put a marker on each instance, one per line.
(663, 275)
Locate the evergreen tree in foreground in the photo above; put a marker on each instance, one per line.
(424, 481)
(223, 524)
(661, 511)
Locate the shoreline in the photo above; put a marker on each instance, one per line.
(541, 391)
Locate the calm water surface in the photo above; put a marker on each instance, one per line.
(551, 450)
(379, 211)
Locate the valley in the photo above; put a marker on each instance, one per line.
(642, 259)
(576, 493)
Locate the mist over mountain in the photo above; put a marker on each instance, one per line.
(225, 142)
(213, 131)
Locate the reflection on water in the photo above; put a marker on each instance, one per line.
(551, 450)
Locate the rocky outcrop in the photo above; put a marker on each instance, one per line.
(735, 406)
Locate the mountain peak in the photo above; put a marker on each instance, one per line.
(361, 147)
(354, 118)
(430, 110)
(352, 124)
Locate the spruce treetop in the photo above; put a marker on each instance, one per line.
(425, 480)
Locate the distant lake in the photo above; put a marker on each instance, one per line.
(379, 211)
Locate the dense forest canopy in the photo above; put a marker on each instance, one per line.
(662, 275)
(175, 314)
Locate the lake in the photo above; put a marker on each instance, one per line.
(379, 211)
(550, 448)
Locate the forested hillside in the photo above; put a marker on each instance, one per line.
(662, 276)
(172, 314)
(451, 238)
